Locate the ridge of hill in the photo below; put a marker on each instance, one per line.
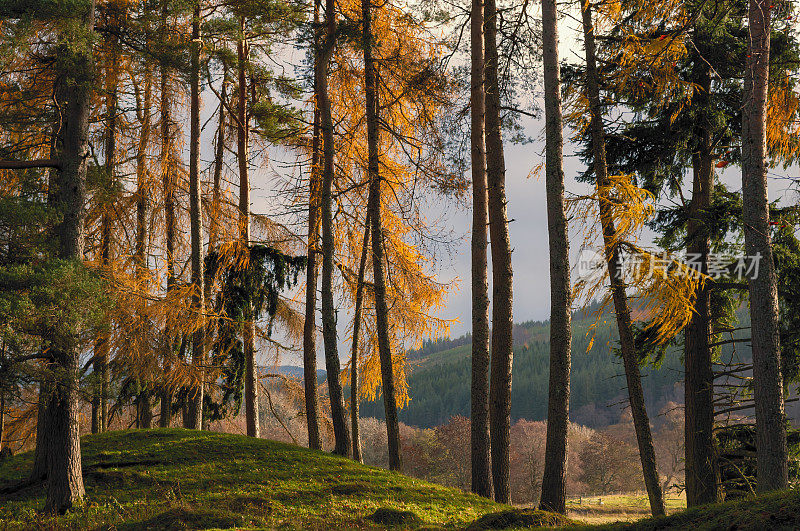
(182, 479)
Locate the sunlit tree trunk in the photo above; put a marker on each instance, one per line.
(100, 365)
(168, 178)
(310, 324)
(629, 356)
(340, 431)
(771, 446)
(145, 412)
(555, 459)
(502, 273)
(479, 415)
(250, 371)
(61, 416)
(374, 208)
(196, 225)
(354, 376)
(701, 468)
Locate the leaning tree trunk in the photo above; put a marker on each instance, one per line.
(340, 432)
(555, 458)
(195, 418)
(630, 357)
(374, 209)
(701, 465)
(502, 274)
(61, 419)
(248, 331)
(479, 412)
(354, 376)
(168, 178)
(771, 446)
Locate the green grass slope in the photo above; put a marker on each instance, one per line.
(774, 512)
(180, 479)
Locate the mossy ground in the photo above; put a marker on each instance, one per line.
(179, 479)
(774, 512)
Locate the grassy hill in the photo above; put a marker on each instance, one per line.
(179, 479)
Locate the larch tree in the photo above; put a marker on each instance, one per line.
(312, 270)
(374, 209)
(195, 417)
(554, 477)
(322, 61)
(612, 259)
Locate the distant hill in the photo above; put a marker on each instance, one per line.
(295, 372)
(441, 373)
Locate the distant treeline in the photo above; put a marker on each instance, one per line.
(440, 376)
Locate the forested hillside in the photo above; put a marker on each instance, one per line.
(439, 384)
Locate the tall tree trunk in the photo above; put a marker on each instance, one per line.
(340, 431)
(502, 273)
(771, 446)
(479, 410)
(354, 376)
(555, 458)
(168, 178)
(374, 209)
(630, 358)
(310, 323)
(145, 406)
(196, 222)
(101, 356)
(701, 467)
(250, 371)
(309, 326)
(64, 470)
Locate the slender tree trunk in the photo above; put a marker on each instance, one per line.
(168, 178)
(251, 371)
(502, 273)
(64, 470)
(310, 324)
(196, 222)
(555, 458)
(219, 162)
(310, 327)
(701, 467)
(354, 377)
(39, 469)
(145, 412)
(374, 209)
(340, 431)
(479, 410)
(629, 356)
(771, 446)
(101, 356)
